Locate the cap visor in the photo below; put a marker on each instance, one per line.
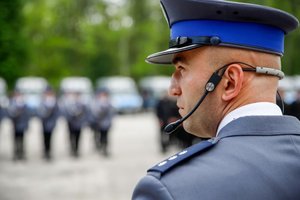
(166, 57)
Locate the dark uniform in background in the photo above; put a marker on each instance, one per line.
(75, 112)
(48, 113)
(167, 112)
(294, 107)
(19, 114)
(102, 113)
(2, 113)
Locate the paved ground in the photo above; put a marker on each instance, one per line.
(134, 148)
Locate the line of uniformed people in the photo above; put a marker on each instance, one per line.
(97, 115)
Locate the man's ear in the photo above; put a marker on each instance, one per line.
(233, 81)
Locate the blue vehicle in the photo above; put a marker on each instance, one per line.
(123, 92)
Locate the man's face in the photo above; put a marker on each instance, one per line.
(192, 72)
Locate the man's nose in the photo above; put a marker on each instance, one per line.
(174, 89)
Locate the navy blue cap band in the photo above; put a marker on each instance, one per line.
(243, 34)
(197, 23)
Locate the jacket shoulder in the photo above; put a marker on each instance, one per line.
(163, 167)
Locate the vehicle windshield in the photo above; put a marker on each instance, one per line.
(118, 86)
(31, 85)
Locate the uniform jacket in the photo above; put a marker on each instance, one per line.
(76, 115)
(102, 113)
(166, 110)
(294, 109)
(49, 113)
(253, 158)
(19, 114)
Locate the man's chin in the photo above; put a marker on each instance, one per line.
(187, 127)
(180, 111)
(196, 131)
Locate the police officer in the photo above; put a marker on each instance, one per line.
(227, 67)
(48, 113)
(3, 100)
(102, 113)
(2, 112)
(19, 113)
(294, 107)
(166, 112)
(75, 112)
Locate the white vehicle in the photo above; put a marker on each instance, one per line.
(80, 85)
(3, 96)
(123, 92)
(153, 89)
(32, 88)
(288, 87)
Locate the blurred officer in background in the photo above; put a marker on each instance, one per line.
(102, 113)
(48, 113)
(19, 114)
(281, 100)
(227, 64)
(75, 112)
(2, 112)
(294, 107)
(167, 112)
(4, 101)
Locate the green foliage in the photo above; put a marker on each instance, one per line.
(12, 43)
(94, 38)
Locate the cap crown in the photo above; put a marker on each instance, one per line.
(196, 23)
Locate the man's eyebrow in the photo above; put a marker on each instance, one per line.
(179, 59)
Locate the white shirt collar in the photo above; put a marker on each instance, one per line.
(261, 108)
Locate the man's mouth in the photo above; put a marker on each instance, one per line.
(181, 111)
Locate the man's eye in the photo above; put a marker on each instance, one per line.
(180, 68)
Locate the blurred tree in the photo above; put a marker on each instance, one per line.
(96, 38)
(12, 43)
(73, 38)
(54, 29)
(139, 34)
(291, 61)
(102, 32)
(148, 34)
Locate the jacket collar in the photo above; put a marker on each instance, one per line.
(261, 126)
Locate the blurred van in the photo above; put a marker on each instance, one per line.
(32, 88)
(80, 85)
(288, 87)
(123, 92)
(153, 88)
(4, 102)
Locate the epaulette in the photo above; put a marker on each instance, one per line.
(174, 160)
